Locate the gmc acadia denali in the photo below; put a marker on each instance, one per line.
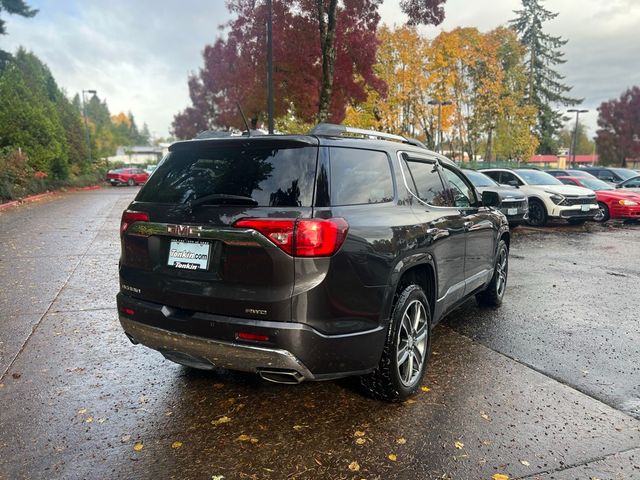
(307, 257)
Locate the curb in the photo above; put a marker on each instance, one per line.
(40, 196)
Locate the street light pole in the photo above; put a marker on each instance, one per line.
(270, 65)
(574, 145)
(86, 122)
(439, 104)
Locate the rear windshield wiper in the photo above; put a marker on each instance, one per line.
(216, 198)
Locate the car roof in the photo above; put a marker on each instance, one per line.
(314, 140)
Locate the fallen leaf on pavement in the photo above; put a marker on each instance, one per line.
(125, 438)
(358, 433)
(217, 477)
(409, 402)
(525, 463)
(16, 375)
(82, 411)
(220, 420)
(392, 457)
(485, 416)
(500, 476)
(297, 428)
(176, 445)
(247, 438)
(138, 446)
(360, 441)
(459, 445)
(102, 420)
(1, 385)
(354, 467)
(401, 441)
(425, 389)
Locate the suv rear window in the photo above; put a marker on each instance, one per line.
(271, 176)
(359, 177)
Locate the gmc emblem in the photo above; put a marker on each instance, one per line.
(184, 230)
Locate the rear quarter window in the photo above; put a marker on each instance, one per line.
(272, 176)
(360, 177)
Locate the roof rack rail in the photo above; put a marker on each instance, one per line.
(334, 130)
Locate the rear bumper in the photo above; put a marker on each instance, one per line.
(204, 340)
(207, 353)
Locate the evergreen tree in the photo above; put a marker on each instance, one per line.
(12, 7)
(545, 86)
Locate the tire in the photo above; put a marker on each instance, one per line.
(492, 296)
(131, 182)
(396, 378)
(604, 215)
(576, 221)
(537, 213)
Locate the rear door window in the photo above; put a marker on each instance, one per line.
(360, 177)
(268, 176)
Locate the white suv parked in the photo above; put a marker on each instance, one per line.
(548, 197)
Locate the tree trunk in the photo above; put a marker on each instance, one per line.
(327, 44)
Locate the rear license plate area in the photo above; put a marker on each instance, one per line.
(193, 255)
(512, 211)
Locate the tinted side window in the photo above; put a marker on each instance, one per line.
(632, 183)
(360, 177)
(493, 175)
(507, 177)
(424, 179)
(270, 175)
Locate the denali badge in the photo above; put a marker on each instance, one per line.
(255, 311)
(184, 230)
(129, 288)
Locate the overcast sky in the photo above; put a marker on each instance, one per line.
(138, 54)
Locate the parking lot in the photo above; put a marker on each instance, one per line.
(547, 386)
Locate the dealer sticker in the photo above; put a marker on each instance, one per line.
(189, 255)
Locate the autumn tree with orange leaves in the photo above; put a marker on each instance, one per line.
(481, 74)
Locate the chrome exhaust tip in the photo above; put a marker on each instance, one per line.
(286, 377)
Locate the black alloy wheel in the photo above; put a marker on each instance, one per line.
(537, 214)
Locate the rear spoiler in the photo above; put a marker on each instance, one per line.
(282, 141)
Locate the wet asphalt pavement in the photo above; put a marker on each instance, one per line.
(546, 387)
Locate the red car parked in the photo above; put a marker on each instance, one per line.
(127, 176)
(614, 203)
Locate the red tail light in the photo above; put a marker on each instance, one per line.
(129, 217)
(252, 336)
(303, 237)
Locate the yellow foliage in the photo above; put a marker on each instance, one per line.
(121, 118)
(480, 74)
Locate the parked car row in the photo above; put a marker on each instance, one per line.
(575, 195)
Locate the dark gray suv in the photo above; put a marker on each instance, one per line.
(307, 257)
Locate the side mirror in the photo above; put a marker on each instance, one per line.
(513, 183)
(490, 199)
